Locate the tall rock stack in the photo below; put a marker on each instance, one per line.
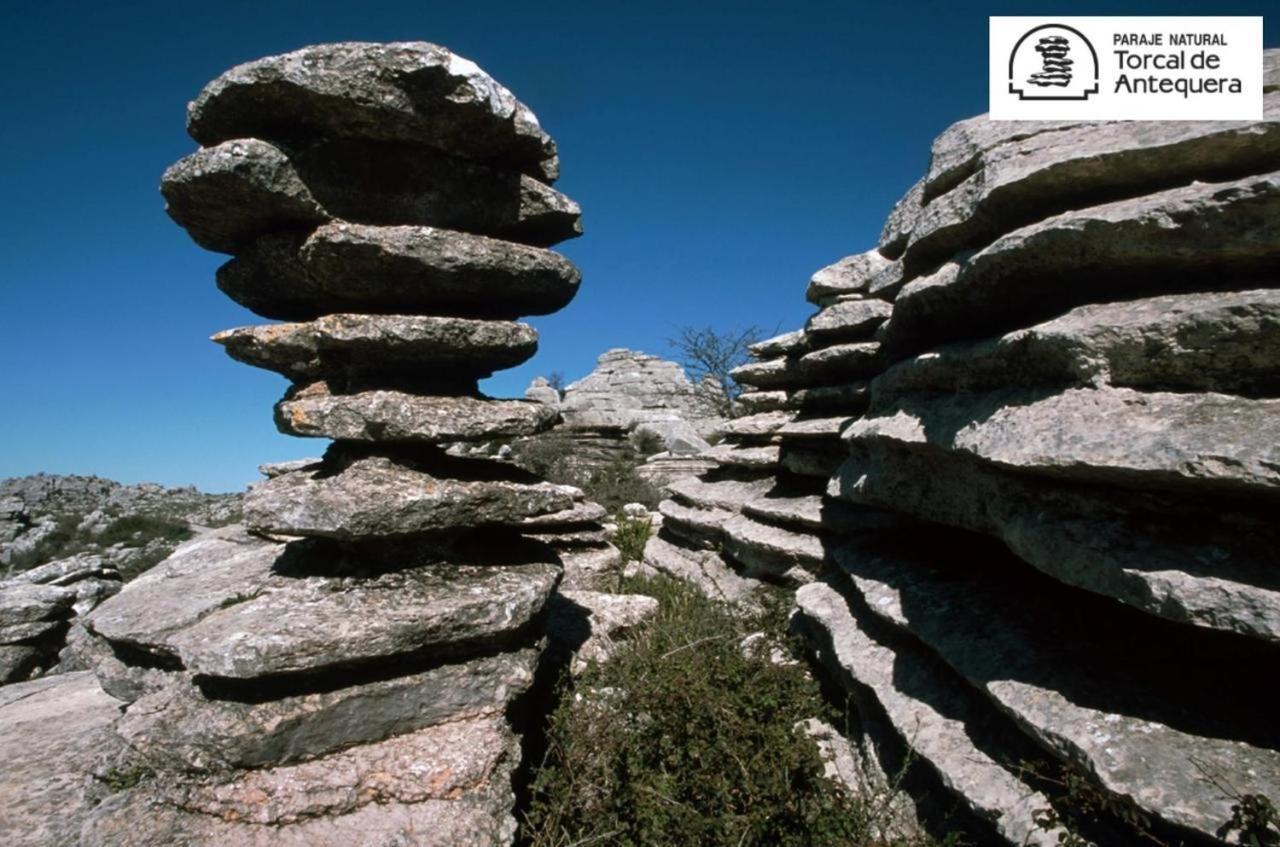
(1057, 375)
(342, 672)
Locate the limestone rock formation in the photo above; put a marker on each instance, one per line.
(1021, 466)
(346, 668)
(636, 407)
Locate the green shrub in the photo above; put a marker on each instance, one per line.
(683, 740)
(136, 530)
(65, 540)
(618, 484)
(632, 535)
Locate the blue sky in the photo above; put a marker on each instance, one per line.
(721, 152)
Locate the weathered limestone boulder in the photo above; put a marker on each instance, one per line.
(354, 346)
(408, 92)
(346, 668)
(396, 416)
(344, 267)
(1183, 239)
(226, 194)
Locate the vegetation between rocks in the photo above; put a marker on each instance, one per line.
(685, 738)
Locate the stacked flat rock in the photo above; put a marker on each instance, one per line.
(1027, 445)
(340, 670)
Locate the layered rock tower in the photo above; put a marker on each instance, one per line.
(1021, 465)
(345, 669)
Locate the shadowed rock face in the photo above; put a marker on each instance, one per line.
(343, 668)
(1024, 454)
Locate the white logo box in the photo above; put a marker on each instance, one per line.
(1126, 68)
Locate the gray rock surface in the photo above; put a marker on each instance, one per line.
(1219, 341)
(850, 275)
(847, 320)
(931, 713)
(440, 786)
(399, 417)
(51, 731)
(1020, 179)
(345, 267)
(379, 497)
(284, 624)
(346, 345)
(593, 626)
(1163, 243)
(225, 196)
(411, 92)
(1211, 568)
(1065, 685)
(1203, 442)
(229, 194)
(179, 729)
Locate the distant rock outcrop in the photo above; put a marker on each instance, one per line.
(637, 408)
(1021, 468)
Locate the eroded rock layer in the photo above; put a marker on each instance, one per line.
(346, 667)
(1021, 464)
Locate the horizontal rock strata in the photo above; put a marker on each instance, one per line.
(1022, 460)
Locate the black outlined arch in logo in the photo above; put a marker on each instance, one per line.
(1053, 62)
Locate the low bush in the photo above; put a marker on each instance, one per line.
(136, 530)
(631, 536)
(684, 740)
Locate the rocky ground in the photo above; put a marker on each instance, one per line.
(69, 542)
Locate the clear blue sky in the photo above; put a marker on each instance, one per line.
(721, 152)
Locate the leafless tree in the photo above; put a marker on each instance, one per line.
(709, 354)
(556, 381)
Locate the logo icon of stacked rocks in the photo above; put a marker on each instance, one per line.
(340, 672)
(1053, 50)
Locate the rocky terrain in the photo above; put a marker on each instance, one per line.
(348, 665)
(69, 542)
(1020, 468)
(636, 409)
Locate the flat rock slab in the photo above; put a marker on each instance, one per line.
(1224, 341)
(847, 320)
(26, 602)
(850, 275)
(214, 569)
(946, 726)
(837, 363)
(277, 623)
(399, 417)
(51, 731)
(362, 345)
(1029, 175)
(440, 786)
(763, 549)
(728, 494)
(227, 195)
(1114, 716)
(787, 344)
(703, 569)
(749, 458)
(1200, 442)
(411, 92)
(178, 729)
(1165, 243)
(755, 427)
(1209, 567)
(700, 527)
(380, 497)
(345, 267)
